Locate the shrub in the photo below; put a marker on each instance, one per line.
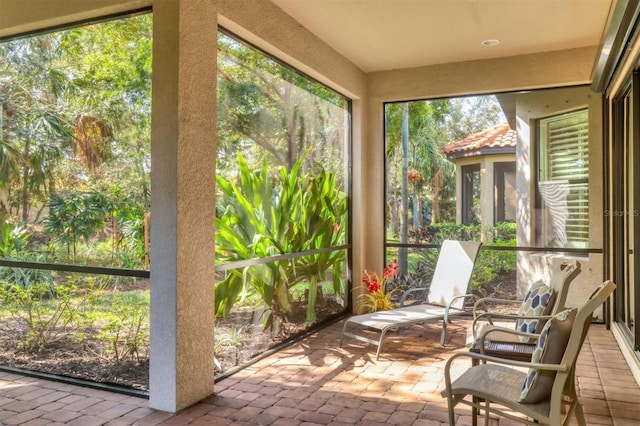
(127, 330)
(26, 277)
(263, 215)
(490, 265)
(49, 319)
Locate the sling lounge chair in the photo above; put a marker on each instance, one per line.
(445, 299)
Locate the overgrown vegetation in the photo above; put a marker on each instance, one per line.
(50, 316)
(74, 187)
(126, 327)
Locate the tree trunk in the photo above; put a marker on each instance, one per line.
(435, 209)
(395, 205)
(416, 208)
(290, 116)
(437, 183)
(147, 222)
(404, 215)
(143, 176)
(25, 181)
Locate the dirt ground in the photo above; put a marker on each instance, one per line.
(70, 358)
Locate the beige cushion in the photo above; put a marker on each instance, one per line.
(549, 350)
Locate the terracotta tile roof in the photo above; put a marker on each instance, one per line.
(497, 139)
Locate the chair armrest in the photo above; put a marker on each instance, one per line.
(512, 316)
(495, 360)
(489, 317)
(463, 296)
(483, 300)
(495, 328)
(453, 299)
(406, 294)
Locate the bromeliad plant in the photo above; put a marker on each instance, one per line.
(379, 297)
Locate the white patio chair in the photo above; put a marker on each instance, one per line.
(446, 295)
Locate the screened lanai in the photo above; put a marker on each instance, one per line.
(204, 52)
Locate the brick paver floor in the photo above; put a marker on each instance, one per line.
(314, 382)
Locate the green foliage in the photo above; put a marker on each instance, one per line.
(232, 342)
(26, 277)
(504, 232)
(49, 319)
(260, 217)
(271, 112)
(127, 329)
(13, 238)
(75, 216)
(432, 126)
(76, 114)
(13, 241)
(132, 229)
(380, 300)
(438, 232)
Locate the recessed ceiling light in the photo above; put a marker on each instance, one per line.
(490, 42)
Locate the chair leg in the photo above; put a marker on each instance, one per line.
(343, 330)
(452, 414)
(382, 333)
(474, 412)
(580, 415)
(443, 335)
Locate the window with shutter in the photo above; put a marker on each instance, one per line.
(563, 173)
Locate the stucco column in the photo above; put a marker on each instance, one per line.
(183, 153)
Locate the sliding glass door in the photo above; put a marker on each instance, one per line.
(625, 200)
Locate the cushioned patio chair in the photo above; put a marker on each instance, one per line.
(546, 394)
(445, 299)
(539, 304)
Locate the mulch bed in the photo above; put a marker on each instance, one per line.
(70, 358)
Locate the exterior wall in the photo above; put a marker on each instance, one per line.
(489, 202)
(530, 107)
(487, 196)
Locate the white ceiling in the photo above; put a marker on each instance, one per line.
(391, 34)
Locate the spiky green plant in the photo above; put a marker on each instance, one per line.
(262, 216)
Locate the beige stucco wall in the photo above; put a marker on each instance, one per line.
(531, 106)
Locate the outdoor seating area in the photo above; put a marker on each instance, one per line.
(445, 299)
(186, 185)
(313, 382)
